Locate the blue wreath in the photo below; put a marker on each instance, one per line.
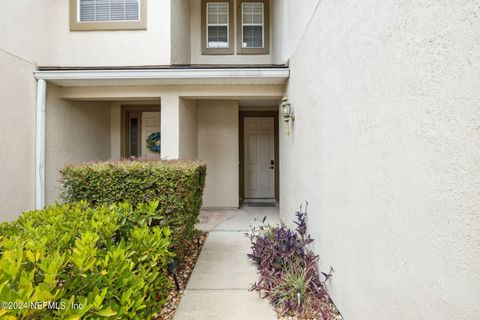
(153, 142)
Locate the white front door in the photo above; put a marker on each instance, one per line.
(259, 155)
(150, 124)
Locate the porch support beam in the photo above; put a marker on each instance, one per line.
(170, 126)
(40, 145)
(228, 92)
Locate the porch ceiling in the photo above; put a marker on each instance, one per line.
(166, 76)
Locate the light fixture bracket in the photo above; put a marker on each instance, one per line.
(287, 113)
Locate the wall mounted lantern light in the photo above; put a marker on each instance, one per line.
(287, 113)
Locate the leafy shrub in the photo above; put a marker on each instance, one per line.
(176, 185)
(106, 260)
(287, 269)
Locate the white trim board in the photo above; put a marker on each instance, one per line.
(199, 76)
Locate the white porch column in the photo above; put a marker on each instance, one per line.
(40, 145)
(170, 126)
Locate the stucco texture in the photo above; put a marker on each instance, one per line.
(180, 31)
(385, 147)
(218, 146)
(17, 139)
(40, 31)
(188, 142)
(76, 131)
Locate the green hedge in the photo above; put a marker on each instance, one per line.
(176, 185)
(105, 260)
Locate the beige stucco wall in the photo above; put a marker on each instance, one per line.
(385, 148)
(17, 137)
(279, 28)
(25, 28)
(196, 43)
(188, 129)
(76, 131)
(172, 36)
(115, 130)
(37, 33)
(40, 31)
(180, 30)
(218, 146)
(106, 48)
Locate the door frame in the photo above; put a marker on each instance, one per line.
(241, 144)
(124, 134)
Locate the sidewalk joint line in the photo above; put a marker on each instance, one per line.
(219, 289)
(220, 230)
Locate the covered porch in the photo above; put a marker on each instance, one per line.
(88, 115)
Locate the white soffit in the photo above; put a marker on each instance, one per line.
(140, 77)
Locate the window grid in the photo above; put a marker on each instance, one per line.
(108, 10)
(253, 17)
(218, 27)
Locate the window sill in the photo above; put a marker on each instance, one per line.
(108, 26)
(251, 51)
(227, 51)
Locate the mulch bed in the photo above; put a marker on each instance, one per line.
(183, 274)
(329, 307)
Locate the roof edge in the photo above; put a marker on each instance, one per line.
(164, 67)
(168, 73)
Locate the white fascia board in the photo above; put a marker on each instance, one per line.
(253, 73)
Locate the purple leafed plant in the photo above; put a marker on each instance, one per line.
(288, 269)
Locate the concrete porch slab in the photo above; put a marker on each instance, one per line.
(247, 216)
(209, 219)
(236, 220)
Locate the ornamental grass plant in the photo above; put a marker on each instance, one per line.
(288, 269)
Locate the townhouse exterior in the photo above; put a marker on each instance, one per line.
(384, 145)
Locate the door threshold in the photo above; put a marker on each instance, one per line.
(253, 200)
(268, 202)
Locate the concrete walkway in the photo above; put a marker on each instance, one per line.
(218, 287)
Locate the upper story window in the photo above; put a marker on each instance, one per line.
(252, 24)
(217, 25)
(253, 27)
(86, 15)
(217, 31)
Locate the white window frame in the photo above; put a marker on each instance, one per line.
(77, 25)
(106, 21)
(254, 25)
(227, 24)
